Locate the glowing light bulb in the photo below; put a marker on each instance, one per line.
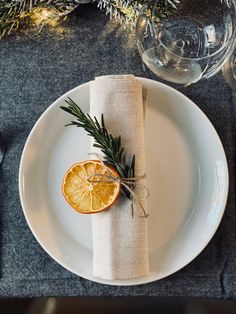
(45, 16)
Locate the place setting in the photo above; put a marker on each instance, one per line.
(123, 180)
(97, 236)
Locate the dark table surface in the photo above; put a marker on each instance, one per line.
(35, 69)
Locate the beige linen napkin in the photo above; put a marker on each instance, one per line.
(120, 249)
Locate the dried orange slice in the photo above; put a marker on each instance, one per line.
(90, 197)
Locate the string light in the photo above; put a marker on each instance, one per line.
(45, 16)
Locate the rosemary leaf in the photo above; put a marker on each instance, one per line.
(111, 147)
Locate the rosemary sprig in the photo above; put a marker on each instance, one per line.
(111, 147)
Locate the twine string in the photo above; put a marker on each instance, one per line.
(125, 182)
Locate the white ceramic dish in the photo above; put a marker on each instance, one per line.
(187, 178)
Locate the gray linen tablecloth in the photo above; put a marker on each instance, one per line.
(37, 68)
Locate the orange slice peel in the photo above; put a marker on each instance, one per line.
(87, 188)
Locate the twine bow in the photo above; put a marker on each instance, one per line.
(125, 182)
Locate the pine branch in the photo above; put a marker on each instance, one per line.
(111, 147)
(12, 12)
(127, 11)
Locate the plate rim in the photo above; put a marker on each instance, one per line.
(141, 280)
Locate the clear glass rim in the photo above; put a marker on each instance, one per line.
(226, 45)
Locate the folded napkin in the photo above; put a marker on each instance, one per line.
(120, 249)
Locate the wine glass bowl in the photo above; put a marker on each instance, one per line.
(190, 42)
(229, 70)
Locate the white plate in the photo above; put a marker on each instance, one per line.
(187, 178)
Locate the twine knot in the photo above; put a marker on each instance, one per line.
(136, 201)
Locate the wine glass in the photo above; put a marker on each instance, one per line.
(229, 70)
(189, 42)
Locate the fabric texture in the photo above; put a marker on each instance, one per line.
(120, 249)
